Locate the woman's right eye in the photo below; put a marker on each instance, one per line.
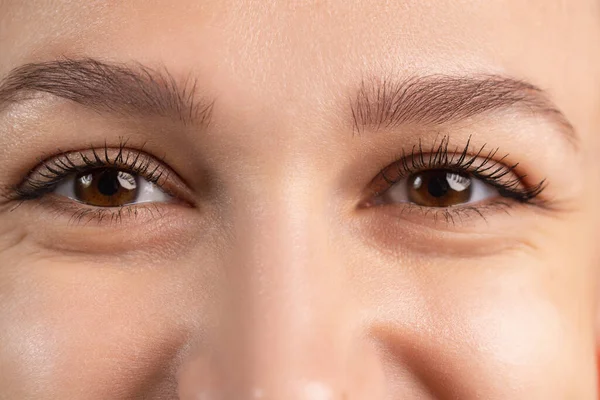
(110, 187)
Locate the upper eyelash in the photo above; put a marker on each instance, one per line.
(489, 170)
(62, 165)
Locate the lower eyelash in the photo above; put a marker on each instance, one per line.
(112, 216)
(452, 215)
(85, 215)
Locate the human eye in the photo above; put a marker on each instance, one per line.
(440, 188)
(100, 184)
(110, 187)
(454, 184)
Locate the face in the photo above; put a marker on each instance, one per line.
(299, 200)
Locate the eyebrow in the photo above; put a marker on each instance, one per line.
(115, 88)
(439, 99)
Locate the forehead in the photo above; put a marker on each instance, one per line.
(277, 50)
(410, 33)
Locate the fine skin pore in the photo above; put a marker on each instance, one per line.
(275, 255)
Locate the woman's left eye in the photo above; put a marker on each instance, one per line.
(110, 187)
(439, 188)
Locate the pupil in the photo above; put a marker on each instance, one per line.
(438, 186)
(108, 183)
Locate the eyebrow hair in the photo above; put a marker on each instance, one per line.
(439, 99)
(111, 87)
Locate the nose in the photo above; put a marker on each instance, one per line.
(289, 328)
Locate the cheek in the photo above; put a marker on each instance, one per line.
(509, 327)
(71, 329)
(526, 337)
(524, 341)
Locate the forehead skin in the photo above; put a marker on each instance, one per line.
(276, 67)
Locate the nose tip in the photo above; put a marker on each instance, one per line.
(308, 390)
(354, 375)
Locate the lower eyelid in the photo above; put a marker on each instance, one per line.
(444, 216)
(64, 227)
(475, 231)
(77, 213)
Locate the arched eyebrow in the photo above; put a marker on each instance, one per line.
(115, 88)
(124, 89)
(439, 99)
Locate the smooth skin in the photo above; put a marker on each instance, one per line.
(268, 279)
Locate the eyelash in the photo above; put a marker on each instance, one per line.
(481, 165)
(45, 178)
(57, 168)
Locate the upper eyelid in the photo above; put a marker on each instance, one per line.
(137, 160)
(491, 168)
(50, 171)
(442, 154)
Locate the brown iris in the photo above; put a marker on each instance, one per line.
(439, 188)
(106, 188)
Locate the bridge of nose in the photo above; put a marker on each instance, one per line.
(289, 328)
